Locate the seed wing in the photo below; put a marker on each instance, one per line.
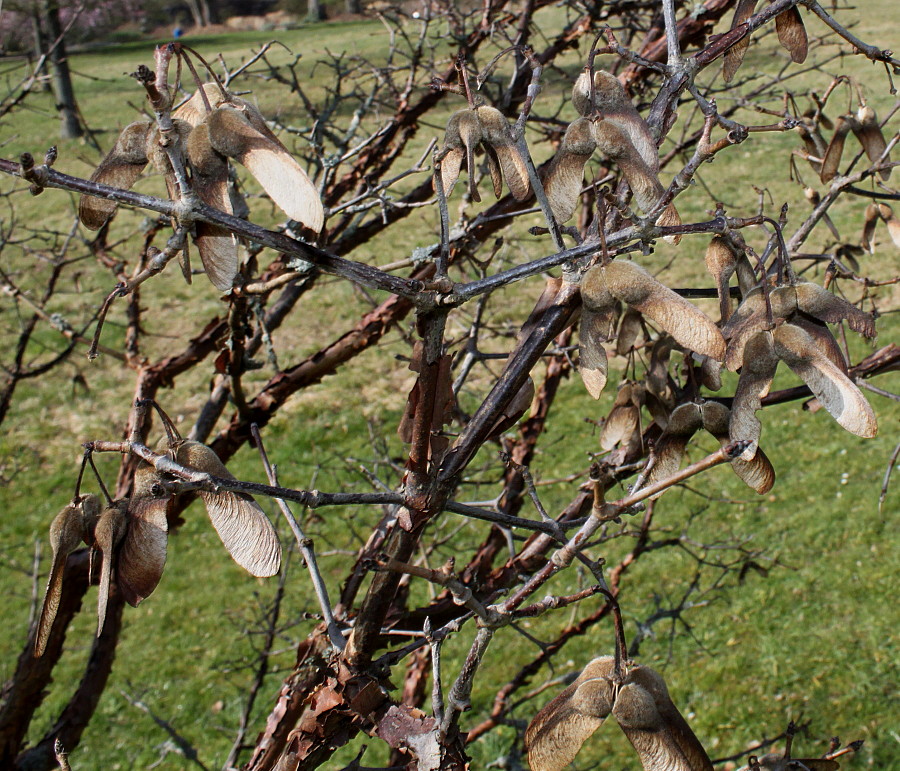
(818, 302)
(735, 55)
(792, 34)
(834, 390)
(142, 555)
(690, 327)
(233, 134)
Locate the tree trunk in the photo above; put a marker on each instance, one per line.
(315, 11)
(196, 13)
(354, 6)
(62, 78)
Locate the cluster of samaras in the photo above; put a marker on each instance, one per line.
(639, 701)
(208, 130)
(610, 123)
(773, 322)
(130, 534)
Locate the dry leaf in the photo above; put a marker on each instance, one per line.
(558, 731)
(72, 526)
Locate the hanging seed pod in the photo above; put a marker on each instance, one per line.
(775, 762)
(217, 246)
(630, 331)
(757, 373)
(142, 555)
(497, 137)
(690, 327)
(242, 134)
(721, 262)
(834, 390)
(120, 168)
(642, 180)
(814, 144)
(832, 160)
(557, 732)
(823, 338)
(462, 136)
(599, 315)
(242, 525)
(108, 533)
(821, 304)
(792, 34)
(748, 318)
(869, 134)
(516, 408)
(654, 726)
(757, 472)
(565, 175)
(684, 422)
(869, 223)
(624, 418)
(734, 56)
(72, 526)
(613, 104)
(812, 195)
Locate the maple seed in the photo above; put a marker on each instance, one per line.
(869, 134)
(835, 150)
(108, 534)
(735, 55)
(242, 525)
(72, 526)
(792, 34)
(565, 175)
(121, 168)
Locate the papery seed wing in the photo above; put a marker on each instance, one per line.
(450, 168)
(893, 224)
(142, 555)
(735, 55)
(558, 731)
(615, 106)
(868, 132)
(120, 168)
(616, 145)
(232, 134)
(684, 422)
(792, 34)
(565, 175)
(593, 364)
(623, 419)
(496, 173)
(757, 473)
(217, 246)
(66, 534)
(721, 262)
(710, 372)
(242, 525)
(834, 390)
(690, 327)
(194, 111)
(516, 408)
(825, 306)
(868, 234)
(748, 319)
(108, 535)
(654, 726)
(814, 143)
(630, 330)
(497, 135)
(832, 160)
(757, 372)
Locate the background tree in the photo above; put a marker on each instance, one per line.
(474, 311)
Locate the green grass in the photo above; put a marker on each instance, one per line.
(813, 640)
